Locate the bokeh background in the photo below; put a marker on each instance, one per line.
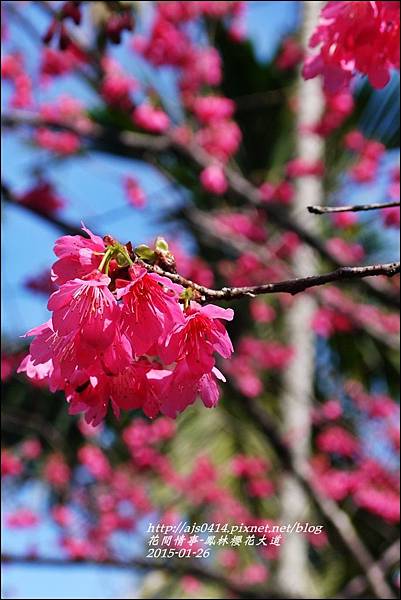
(350, 339)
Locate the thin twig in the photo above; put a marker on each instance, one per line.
(320, 210)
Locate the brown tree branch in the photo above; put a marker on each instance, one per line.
(290, 286)
(320, 210)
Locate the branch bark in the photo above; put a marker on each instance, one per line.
(290, 286)
(320, 210)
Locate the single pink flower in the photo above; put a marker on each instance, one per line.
(185, 385)
(151, 119)
(134, 193)
(213, 108)
(140, 385)
(214, 180)
(87, 306)
(77, 256)
(150, 308)
(198, 337)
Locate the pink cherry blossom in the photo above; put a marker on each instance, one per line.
(355, 37)
(337, 440)
(59, 142)
(31, 449)
(95, 462)
(261, 311)
(301, 168)
(10, 464)
(391, 216)
(151, 119)
(77, 256)
(149, 308)
(214, 180)
(213, 108)
(117, 86)
(221, 139)
(88, 306)
(135, 195)
(20, 518)
(198, 337)
(291, 54)
(344, 220)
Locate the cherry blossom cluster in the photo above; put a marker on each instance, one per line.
(355, 37)
(369, 153)
(119, 334)
(344, 467)
(13, 70)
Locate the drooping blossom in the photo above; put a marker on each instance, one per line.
(124, 339)
(86, 306)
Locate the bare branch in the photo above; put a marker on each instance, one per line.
(290, 286)
(320, 210)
